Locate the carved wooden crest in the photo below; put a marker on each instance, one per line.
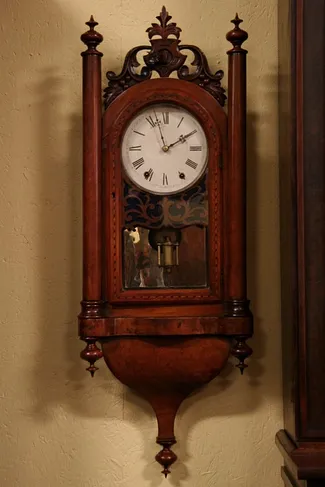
(164, 56)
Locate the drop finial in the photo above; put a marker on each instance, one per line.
(241, 350)
(91, 353)
(166, 457)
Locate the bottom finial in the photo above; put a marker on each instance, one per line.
(166, 457)
(91, 353)
(241, 351)
(92, 369)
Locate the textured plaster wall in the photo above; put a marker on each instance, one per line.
(59, 427)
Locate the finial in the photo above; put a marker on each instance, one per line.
(237, 35)
(92, 38)
(164, 17)
(241, 351)
(92, 22)
(236, 20)
(166, 457)
(91, 353)
(164, 29)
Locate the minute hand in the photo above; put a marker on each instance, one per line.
(160, 131)
(182, 138)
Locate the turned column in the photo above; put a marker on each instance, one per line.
(92, 234)
(238, 305)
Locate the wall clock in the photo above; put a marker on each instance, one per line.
(164, 265)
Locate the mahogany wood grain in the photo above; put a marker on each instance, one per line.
(305, 459)
(181, 325)
(164, 343)
(161, 370)
(302, 190)
(236, 229)
(214, 122)
(92, 102)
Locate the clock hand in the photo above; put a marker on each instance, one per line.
(177, 142)
(165, 147)
(189, 134)
(182, 138)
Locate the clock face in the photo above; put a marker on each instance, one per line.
(164, 149)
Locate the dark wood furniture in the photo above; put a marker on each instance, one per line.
(302, 186)
(164, 341)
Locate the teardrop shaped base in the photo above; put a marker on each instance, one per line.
(165, 370)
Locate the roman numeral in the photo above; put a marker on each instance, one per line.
(165, 116)
(195, 147)
(165, 180)
(148, 174)
(138, 163)
(180, 122)
(191, 163)
(139, 133)
(135, 147)
(150, 121)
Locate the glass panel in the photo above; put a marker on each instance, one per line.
(165, 238)
(142, 253)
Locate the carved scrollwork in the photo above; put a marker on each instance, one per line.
(189, 208)
(117, 83)
(142, 209)
(154, 212)
(202, 75)
(164, 56)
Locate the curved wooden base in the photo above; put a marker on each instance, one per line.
(165, 370)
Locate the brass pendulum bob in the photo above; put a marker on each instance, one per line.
(168, 253)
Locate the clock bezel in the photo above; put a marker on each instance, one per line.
(133, 182)
(214, 123)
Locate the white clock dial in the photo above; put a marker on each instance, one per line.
(164, 149)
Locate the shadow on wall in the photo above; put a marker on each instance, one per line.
(263, 239)
(59, 378)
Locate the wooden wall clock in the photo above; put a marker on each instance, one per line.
(164, 265)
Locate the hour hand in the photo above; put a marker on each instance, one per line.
(182, 138)
(174, 143)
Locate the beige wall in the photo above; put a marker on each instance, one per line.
(59, 427)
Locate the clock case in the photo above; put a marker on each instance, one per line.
(164, 343)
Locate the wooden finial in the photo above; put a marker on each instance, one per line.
(165, 28)
(241, 351)
(237, 35)
(166, 457)
(92, 38)
(236, 20)
(91, 353)
(92, 22)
